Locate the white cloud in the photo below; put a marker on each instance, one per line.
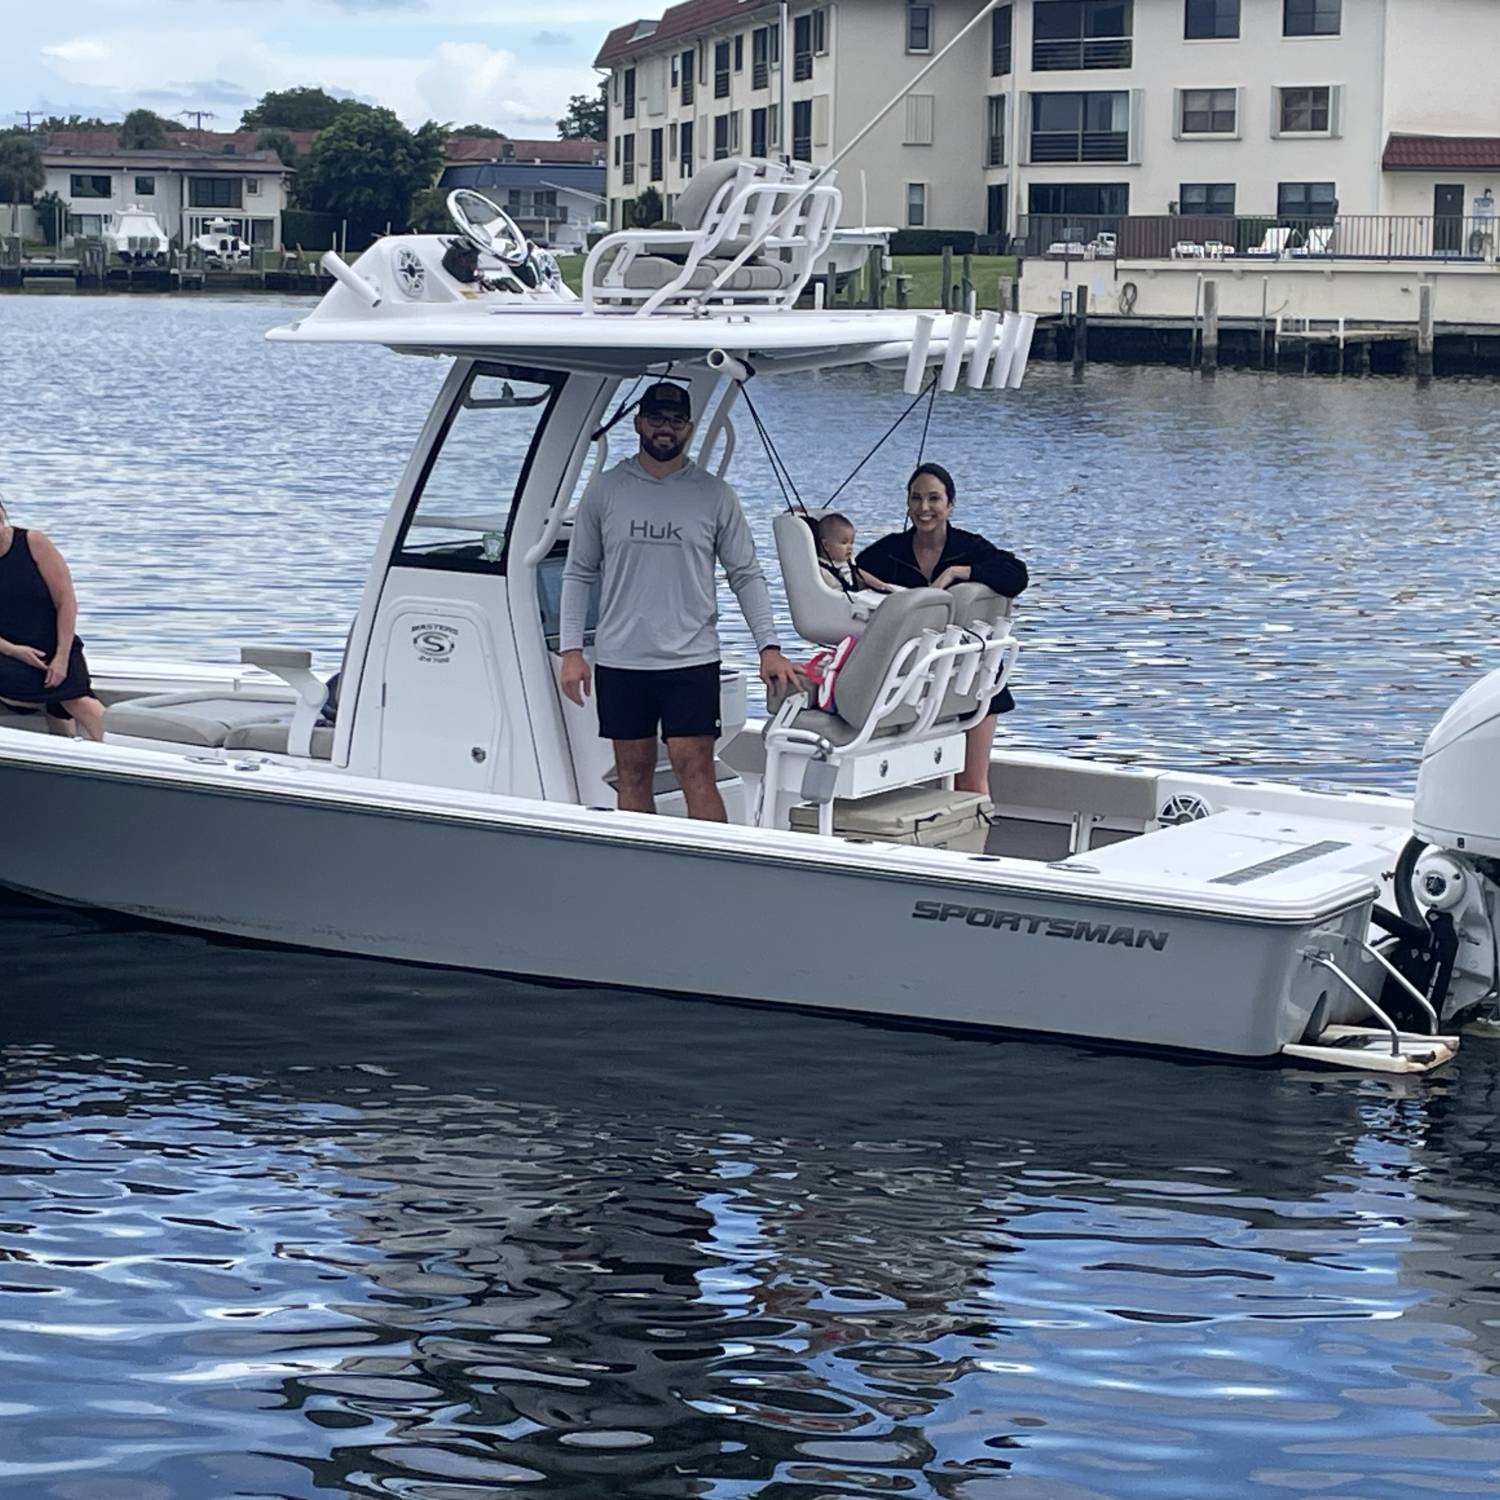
(82, 53)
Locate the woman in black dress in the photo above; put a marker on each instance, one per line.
(41, 660)
(930, 553)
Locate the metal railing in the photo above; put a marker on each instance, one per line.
(760, 75)
(1074, 145)
(802, 66)
(1295, 238)
(995, 155)
(1080, 52)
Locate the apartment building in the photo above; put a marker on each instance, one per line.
(1289, 108)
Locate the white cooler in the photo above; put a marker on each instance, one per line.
(928, 816)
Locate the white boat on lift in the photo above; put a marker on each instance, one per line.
(460, 811)
(136, 238)
(221, 247)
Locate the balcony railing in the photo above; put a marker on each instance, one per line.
(802, 66)
(1072, 145)
(721, 85)
(1292, 239)
(1080, 52)
(760, 75)
(1000, 59)
(995, 155)
(627, 173)
(687, 88)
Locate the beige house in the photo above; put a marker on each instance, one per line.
(1298, 109)
(186, 188)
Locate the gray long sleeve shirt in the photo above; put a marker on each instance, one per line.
(654, 543)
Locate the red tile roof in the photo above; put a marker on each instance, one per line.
(460, 148)
(1441, 153)
(678, 21)
(243, 141)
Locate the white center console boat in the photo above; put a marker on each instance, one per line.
(458, 810)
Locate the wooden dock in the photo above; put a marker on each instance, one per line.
(87, 269)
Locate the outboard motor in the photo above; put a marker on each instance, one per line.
(1449, 872)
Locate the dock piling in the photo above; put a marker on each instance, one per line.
(1210, 327)
(947, 278)
(1424, 332)
(1080, 330)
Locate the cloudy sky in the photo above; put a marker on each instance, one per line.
(508, 63)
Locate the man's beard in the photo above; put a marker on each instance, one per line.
(665, 446)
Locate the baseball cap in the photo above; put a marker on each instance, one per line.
(666, 400)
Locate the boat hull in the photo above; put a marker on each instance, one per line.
(933, 939)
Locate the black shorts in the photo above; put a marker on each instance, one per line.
(679, 703)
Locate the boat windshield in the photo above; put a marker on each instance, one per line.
(458, 519)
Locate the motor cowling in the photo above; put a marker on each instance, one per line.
(1458, 786)
(1456, 877)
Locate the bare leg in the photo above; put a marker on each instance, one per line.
(693, 761)
(635, 767)
(63, 727)
(88, 714)
(978, 743)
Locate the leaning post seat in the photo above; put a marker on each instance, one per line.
(981, 613)
(880, 732)
(706, 255)
(821, 611)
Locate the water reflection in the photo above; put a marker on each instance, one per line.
(287, 1224)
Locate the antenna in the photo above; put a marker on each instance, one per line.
(29, 113)
(198, 116)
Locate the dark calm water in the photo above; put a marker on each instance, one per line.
(283, 1225)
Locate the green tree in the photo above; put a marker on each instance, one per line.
(647, 208)
(144, 130)
(429, 212)
(296, 109)
(587, 118)
(21, 172)
(72, 122)
(281, 142)
(488, 130)
(52, 213)
(366, 168)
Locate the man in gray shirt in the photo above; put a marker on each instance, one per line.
(651, 529)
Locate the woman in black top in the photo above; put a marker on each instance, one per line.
(41, 660)
(932, 554)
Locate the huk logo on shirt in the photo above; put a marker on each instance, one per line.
(648, 531)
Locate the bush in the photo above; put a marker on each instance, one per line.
(300, 226)
(931, 241)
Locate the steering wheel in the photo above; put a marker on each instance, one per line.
(488, 228)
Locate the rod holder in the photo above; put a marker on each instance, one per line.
(916, 361)
(1005, 350)
(953, 355)
(346, 275)
(984, 344)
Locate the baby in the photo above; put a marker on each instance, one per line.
(836, 555)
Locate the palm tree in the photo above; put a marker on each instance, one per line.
(21, 172)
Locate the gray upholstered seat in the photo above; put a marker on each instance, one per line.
(270, 738)
(648, 272)
(191, 718)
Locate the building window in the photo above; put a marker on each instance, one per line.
(252, 186)
(1000, 31)
(214, 192)
(802, 130)
(765, 53)
(1080, 34)
(687, 77)
(1088, 199)
(726, 135)
(920, 109)
(658, 172)
(994, 131)
(1080, 127)
(676, 75)
(1208, 111)
(759, 134)
(1304, 110)
(618, 139)
(629, 93)
(685, 143)
(1207, 20)
(809, 40)
(919, 28)
(739, 52)
(916, 205)
(721, 70)
(627, 166)
(86, 226)
(1310, 17)
(1207, 198)
(1315, 202)
(88, 185)
(145, 187)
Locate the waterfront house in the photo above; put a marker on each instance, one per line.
(186, 187)
(553, 189)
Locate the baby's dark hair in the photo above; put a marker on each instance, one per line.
(832, 519)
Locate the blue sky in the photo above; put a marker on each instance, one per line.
(508, 63)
